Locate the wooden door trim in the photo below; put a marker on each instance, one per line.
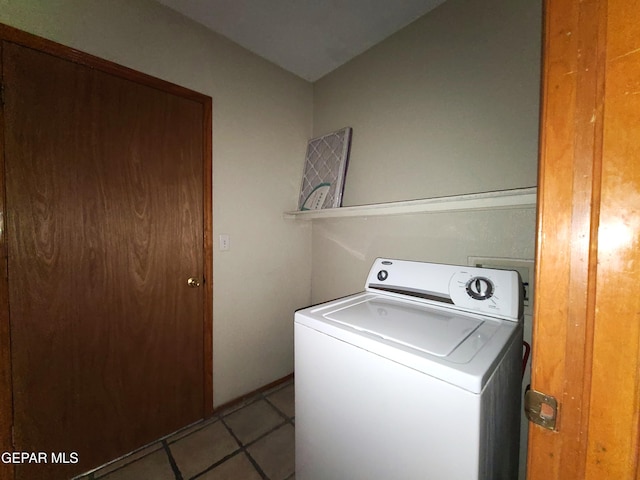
(10, 34)
(566, 255)
(207, 203)
(28, 40)
(6, 385)
(586, 350)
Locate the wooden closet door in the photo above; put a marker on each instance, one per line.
(104, 194)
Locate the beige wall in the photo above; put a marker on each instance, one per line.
(448, 105)
(261, 122)
(345, 248)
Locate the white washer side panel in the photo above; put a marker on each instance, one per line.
(500, 417)
(361, 416)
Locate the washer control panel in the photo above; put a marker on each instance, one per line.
(477, 290)
(480, 288)
(487, 290)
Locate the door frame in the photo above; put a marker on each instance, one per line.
(586, 339)
(19, 37)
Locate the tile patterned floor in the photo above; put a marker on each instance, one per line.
(252, 440)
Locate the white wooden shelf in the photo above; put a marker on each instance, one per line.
(498, 200)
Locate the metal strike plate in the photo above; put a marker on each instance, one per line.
(541, 409)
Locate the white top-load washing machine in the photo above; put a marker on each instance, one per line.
(417, 378)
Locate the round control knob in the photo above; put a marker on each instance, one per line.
(480, 288)
(382, 275)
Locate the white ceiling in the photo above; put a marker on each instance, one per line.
(307, 37)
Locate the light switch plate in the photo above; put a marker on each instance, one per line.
(224, 242)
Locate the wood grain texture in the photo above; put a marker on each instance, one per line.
(207, 203)
(614, 426)
(105, 214)
(564, 192)
(586, 328)
(6, 396)
(19, 37)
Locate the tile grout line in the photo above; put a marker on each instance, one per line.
(218, 463)
(286, 417)
(131, 458)
(219, 417)
(172, 461)
(246, 452)
(266, 434)
(286, 420)
(255, 465)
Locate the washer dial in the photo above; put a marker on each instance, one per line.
(480, 288)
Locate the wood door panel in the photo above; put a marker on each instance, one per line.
(587, 336)
(565, 226)
(105, 225)
(613, 449)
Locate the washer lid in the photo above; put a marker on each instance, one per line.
(435, 332)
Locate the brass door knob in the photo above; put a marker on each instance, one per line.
(193, 282)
